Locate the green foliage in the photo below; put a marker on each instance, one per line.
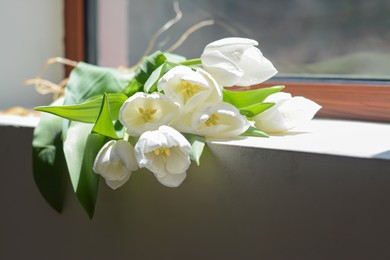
(48, 161)
(151, 84)
(197, 145)
(88, 181)
(87, 186)
(74, 147)
(88, 111)
(193, 62)
(104, 124)
(86, 103)
(174, 58)
(87, 81)
(253, 110)
(132, 88)
(149, 64)
(252, 131)
(242, 99)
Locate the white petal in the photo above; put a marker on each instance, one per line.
(125, 151)
(277, 97)
(114, 184)
(163, 166)
(171, 83)
(271, 120)
(172, 180)
(230, 122)
(257, 68)
(216, 89)
(115, 162)
(174, 74)
(131, 118)
(174, 138)
(184, 125)
(298, 110)
(178, 161)
(224, 70)
(286, 114)
(103, 156)
(231, 41)
(156, 164)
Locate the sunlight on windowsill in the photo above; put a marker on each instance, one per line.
(329, 136)
(321, 136)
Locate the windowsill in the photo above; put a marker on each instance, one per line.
(320, 136)
(286, 199)
(19, 121)
(329, 136)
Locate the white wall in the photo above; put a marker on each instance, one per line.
(30, 33)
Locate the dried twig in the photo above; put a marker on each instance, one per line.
(44, 86)
(187, 33)
(164, 28)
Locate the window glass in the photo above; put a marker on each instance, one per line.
(347, 38)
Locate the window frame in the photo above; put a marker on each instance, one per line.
(340, 98)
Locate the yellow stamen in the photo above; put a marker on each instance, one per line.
(189, 89)
(163, 151)
(213, 120)
(147, 114)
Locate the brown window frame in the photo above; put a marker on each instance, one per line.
(347, 100)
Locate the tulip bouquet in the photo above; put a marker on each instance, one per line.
(112, 122)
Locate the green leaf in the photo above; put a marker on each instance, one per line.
(151, 84)
(149, 64)
(88, 111)
(119, 129)
(87, 187)
(74, 146)
(133, 88)
(193, 62)
(104, 125)
(172, 57)
(253, 131)
(197, 144)
(49, 168)
(241, 99)
(87, 81)
(251, 111)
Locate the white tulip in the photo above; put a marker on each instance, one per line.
(190, 88)
(287, 113)
(144, 112)
(236, 62)
(165, 152)
(115, 162)
(219, 120)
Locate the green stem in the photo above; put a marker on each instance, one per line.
(126, 136)
(191, 62)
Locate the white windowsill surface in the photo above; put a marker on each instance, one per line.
(328, 136)
(19, 121)
(320, 136)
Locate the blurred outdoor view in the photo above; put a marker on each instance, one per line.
(315, 37)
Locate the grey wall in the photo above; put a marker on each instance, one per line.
(241, 203)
